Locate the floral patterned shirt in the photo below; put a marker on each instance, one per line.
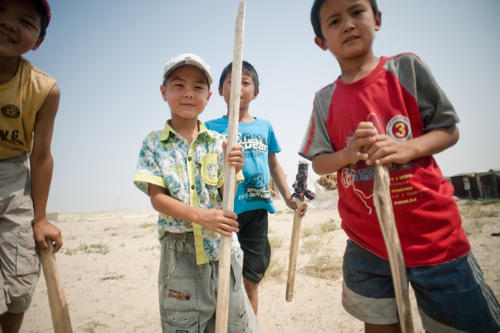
(191, 174)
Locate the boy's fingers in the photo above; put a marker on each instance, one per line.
(228, 227)
(230, 214)
(42, 243)
(58, 244)
(223, 232)
(231, 223)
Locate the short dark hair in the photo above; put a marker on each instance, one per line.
(246, 68)
(315, 15)
(44, 19)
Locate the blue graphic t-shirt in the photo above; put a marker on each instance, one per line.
(258, 141)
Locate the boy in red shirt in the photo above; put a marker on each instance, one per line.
(391, 111)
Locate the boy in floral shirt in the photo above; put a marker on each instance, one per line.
(182, 169)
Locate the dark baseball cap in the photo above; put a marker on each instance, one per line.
(46, 7)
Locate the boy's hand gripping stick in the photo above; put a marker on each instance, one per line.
(300, 191)
(221, 314)
(57, 300)
(385, 214)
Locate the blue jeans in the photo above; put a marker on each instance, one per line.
(451, 297)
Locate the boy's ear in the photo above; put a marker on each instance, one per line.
(378, 21)
(255, 93)
(220, 92)
(321, 43)
(163, 92)
(38, 42)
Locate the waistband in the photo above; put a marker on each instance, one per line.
(187, 237)
(195, 238)
(16, 159)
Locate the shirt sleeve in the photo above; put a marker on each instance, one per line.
(435, 108)
(148, 170)
(272, 144)
(316, 139)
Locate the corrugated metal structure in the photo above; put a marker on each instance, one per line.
(481, 185)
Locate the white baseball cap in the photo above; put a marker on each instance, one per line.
(187, 59)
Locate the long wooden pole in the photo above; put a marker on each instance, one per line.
(57, 299)
(221, 314)
(294, 249)
(385, 214)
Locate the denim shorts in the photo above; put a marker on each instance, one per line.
(19, 262)
(451, 297)
(188, 292)
(254, 242)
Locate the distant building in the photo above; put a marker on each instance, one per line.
(480, 185)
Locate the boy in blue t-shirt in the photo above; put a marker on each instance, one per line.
(253, 199)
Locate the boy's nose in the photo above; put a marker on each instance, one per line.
(188, 93)
(348, 25)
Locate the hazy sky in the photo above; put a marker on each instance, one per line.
(108, 57)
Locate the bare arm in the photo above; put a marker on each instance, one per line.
(278, 176)
(386, 150)
(223, 222)
(42, 165)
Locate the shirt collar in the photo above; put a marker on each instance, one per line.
(168, 131)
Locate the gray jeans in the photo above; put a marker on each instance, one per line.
(188, 292)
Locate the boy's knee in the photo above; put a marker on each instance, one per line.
(250, 287)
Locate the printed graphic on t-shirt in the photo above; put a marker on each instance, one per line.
(399, 128)
(10, 111)
(361, 181)
(255, 188)
(252, 144)
(11, 135)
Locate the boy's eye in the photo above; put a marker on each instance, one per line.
(334, 21)
(29, 24)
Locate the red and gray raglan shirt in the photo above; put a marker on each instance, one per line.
(401, 97)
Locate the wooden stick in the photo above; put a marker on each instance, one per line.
(385, 213)
(57, 300)
(221, 314)
(294, 249)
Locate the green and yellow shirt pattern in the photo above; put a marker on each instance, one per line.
(191, 174)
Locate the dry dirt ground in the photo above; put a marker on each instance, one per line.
(109, 265)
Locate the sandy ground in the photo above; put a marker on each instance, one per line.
(109, 265)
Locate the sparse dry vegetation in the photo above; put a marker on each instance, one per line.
(87, 249)
(328, 226)
(276, 242)
(275, 270)
(307, 231)
(478, 209)
(310, 246)
(324, 266)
